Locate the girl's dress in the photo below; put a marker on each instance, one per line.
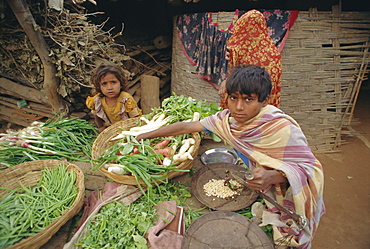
(125, 107)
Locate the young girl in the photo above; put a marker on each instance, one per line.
(111, 103)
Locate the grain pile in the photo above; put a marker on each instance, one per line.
(222, 188)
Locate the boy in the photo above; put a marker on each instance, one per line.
(280, 158)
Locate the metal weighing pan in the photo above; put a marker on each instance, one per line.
(219, 155)
(225, 229)
(220, 171)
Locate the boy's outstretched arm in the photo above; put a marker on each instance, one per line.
(174, 129)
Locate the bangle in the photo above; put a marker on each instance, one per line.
(282, 173)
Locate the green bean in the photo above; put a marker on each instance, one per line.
(32, 209)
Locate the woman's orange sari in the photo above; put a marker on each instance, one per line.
(250, 43)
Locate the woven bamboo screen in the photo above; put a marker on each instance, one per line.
(324, 62)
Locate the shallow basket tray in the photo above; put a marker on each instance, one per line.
(28, 174)
(104, 141)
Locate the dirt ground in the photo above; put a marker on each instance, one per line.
(346, 224)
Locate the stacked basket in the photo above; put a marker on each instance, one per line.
(28, 174)
(104, 141)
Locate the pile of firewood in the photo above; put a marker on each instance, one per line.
(76, 47)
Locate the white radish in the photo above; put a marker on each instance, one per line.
(152, 125)
(188, 140)
(188, 155)
(108, 165)
(130, 133)
(144, 119)
(196, 116)
(116, 170)
(182, 157)
(160, 118)
(174, 147)
(119, 136)
(148, 127)
(191, 149)
(186, 143)
(167, 161)
(184, 148)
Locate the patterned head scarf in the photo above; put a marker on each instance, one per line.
(250, 43)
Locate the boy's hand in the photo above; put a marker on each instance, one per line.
(263, 179)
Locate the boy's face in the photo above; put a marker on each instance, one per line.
(244, 107)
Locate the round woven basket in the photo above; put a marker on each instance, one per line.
(104, 141)
(28, 174)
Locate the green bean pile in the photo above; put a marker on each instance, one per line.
(26, 211)
(67, 138)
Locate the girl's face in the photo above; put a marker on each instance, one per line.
(110, 86)
(244, 107)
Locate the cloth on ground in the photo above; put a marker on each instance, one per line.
(158, 236)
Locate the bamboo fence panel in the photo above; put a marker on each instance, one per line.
(324, 62)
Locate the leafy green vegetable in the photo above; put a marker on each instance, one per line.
(119, 226)
(182, 108)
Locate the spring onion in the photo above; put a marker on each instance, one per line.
(64, 139)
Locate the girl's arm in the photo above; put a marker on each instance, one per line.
(100, 124)
(178, 128)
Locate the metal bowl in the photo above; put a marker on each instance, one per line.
(219, 155)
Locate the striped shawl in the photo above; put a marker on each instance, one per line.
(274, 140)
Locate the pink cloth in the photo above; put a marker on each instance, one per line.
(158, 236)
(92, 201)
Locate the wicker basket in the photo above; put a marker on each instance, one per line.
(103, 142)
(28, 174)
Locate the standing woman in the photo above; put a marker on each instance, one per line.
(250, 43)
(111, 103)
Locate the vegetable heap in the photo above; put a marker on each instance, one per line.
(145, 160)
(64, 139)
(119, 226)
(181, 108)
(26, 211)
(151, 160)
(173, 109)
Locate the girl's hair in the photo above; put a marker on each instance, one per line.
(248, 79)
(102, 70)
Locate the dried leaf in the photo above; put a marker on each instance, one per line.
(67, 61)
